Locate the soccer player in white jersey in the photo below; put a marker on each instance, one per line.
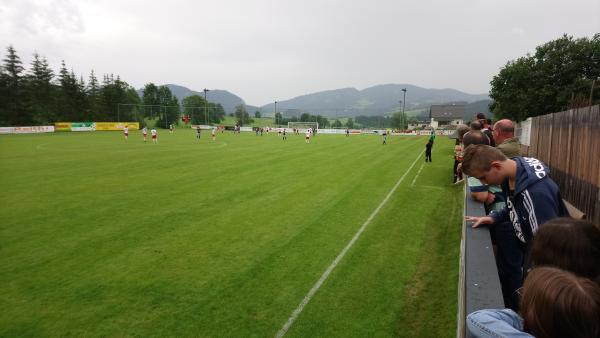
(307, 135)
(154, 135)
(126, 132)
(213, 134)
(145, 132)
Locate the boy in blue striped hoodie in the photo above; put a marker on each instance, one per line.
(532, 197)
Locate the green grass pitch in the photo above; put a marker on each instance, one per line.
(105, 237)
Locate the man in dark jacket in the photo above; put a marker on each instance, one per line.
(428, 147)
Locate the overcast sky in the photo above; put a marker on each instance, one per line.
(267, 50)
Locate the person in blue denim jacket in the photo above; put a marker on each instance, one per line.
(555, 303)
(496, 323)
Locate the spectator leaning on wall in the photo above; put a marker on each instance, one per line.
(509, 256)
(532, 196)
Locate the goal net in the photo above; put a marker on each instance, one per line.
(303, 125)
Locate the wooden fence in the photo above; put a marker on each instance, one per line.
(569, 143)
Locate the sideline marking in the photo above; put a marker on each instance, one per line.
(415, 179)
(339, 257)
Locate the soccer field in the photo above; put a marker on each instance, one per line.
(105, 237)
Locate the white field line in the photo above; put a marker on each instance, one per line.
(341, 255)
(416, 176)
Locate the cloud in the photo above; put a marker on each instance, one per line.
(39, 18)
(518, 31)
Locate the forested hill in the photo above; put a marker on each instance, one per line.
(376, 100)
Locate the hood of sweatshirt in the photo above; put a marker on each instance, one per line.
(529, 171)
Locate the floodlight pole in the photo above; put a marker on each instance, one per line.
(275, 112)
(166, 119)
(400, 109)
(205, 107)
(403, 106)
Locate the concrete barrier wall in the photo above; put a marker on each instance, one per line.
(479, 284)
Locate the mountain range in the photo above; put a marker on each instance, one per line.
(347, 102)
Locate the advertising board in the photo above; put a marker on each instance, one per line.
(83, 126)
(62, 126)
(33, 129)
(117, 125)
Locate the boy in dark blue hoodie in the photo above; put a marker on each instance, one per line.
(532, 197)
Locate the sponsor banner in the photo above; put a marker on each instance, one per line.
(83, 126)
(246, 129)
(6, 130)
(62, 126)
(117, 125)
(33, 129)
(336, 131)
(133, 125)
(437, 132)
(202, 126)
(106, 126)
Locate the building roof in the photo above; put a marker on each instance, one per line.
(448, 112)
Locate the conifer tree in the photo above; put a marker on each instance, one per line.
(12, 96)
(40, 91)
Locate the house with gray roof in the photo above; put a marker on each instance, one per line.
(444, 115)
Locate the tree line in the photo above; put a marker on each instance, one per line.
(304, 117)
(39, 96)
(560, 75)
(397, 120)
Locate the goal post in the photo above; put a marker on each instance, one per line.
(303, 125)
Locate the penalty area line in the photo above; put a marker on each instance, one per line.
(340, 256)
